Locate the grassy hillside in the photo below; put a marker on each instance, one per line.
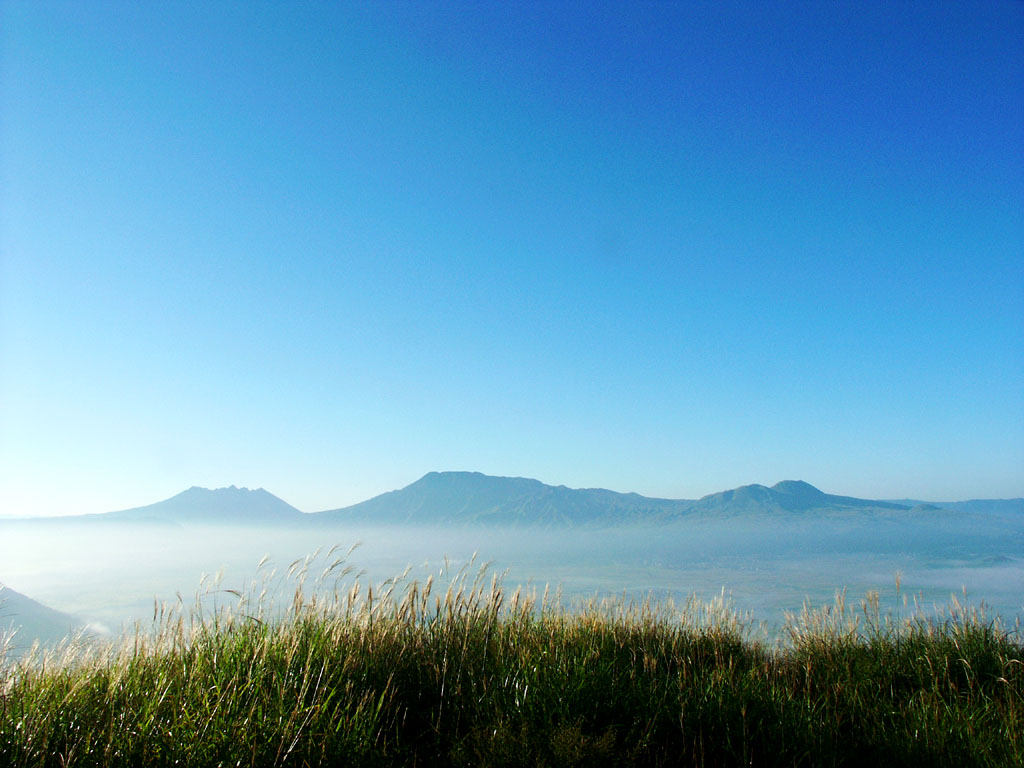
(479, 677)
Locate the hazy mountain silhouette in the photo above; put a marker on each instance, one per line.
(787, 496)
(31, 621)
(221, 505)
(471, 497)
(980, 506)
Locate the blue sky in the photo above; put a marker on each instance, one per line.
(666, 248)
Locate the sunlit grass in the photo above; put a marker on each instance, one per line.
(410, 673)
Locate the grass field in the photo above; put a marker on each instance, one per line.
(471, 675)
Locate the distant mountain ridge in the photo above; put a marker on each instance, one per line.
(787, 496)
(219, 505)
(472, 498)
(990, 506)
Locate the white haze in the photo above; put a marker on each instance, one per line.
(109, 574)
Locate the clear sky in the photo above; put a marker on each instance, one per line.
(671, 248)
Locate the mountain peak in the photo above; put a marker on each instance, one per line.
(473, 497)
(200, 504)
(464, 479)
(449, 475)
(797, 487)
(224, 488)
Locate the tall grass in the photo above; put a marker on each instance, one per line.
(471, 675)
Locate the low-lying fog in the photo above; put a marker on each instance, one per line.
(109, 574)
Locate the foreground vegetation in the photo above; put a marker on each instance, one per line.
(404, 675)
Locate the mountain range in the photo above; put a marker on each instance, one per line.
(472, 498)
